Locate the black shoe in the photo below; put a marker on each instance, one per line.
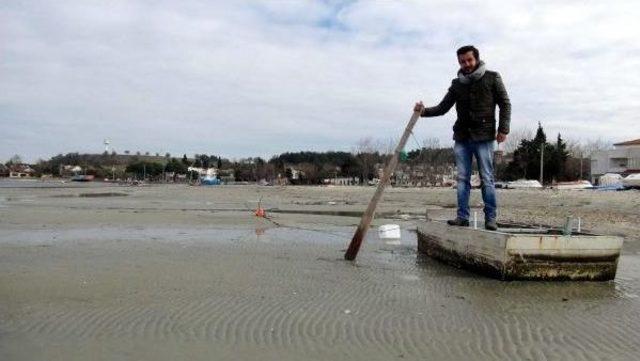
(458, 222)
(491, 225)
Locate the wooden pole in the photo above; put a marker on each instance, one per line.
(581, 157)
(542, 164)
(368, 215)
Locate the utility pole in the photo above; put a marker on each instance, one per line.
(581, 157)
(542, 163)
(164, 176)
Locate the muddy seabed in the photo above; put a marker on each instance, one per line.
(175, 272)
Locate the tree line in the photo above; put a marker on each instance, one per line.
(562, 161)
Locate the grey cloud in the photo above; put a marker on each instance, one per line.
(249, 78)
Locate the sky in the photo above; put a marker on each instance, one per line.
(257, 78)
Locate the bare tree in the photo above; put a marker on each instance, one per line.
(432, 162)
(16, 159)
(586, 148)
(592, 146)
(363, 145)
(582, 151)
(364, 151)
(515, 137)
(386, 146)
(431, 143)
(574, 148)
(310, 173)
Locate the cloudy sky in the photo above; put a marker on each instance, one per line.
(258, 78)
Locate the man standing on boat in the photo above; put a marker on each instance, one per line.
(475, 93)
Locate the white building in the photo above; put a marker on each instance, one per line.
(342, 181)
(21, 171)
(295, 173)
(204, 172)
(623, 159)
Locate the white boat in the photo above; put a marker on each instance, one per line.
(580, 184)
(610, 180)
(82, 178)
(521, 252)
(524, 184)
(631, 181)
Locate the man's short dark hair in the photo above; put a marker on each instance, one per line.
(467, 48)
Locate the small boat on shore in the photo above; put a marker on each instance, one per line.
(610, 180)
(521, 252)
(524, 184)
(210, 181)
(632, 181)
(82, 178)
(575, 185)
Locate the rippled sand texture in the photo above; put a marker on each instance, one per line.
(168, 284)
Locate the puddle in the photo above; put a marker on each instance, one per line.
(356, 214)
(106, 194)
(286, 289)
(91, 195)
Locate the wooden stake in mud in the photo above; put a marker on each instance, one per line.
(367, 217)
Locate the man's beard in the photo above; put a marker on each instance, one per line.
(466, 71)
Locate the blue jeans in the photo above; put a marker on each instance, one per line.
(483, 151)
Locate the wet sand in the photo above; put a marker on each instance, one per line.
(177, 272)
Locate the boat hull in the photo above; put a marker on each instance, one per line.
(513, 255)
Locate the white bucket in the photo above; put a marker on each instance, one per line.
(387, 231)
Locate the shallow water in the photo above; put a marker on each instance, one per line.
(285, 293)
(42, 184)
(175, 272)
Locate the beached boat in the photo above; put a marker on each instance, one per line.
(524, 184)
(610, 180)
(632, 181)
(579, 184)
(520, 252)
(210, 181)
(82, 178)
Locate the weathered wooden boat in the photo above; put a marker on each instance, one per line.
(521, 252)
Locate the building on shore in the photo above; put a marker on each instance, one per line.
(204, 172)
(21, 171)
(70, 170)
(294, 173)
(401, 178)
(623, 159)
(342, 181)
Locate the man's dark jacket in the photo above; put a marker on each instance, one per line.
(476, 105)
